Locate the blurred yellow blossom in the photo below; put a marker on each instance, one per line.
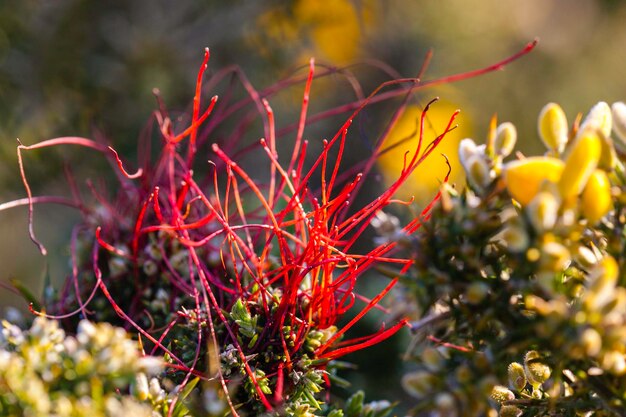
(428, 176)
(331, 31)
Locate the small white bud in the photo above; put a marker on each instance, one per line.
(619, 120)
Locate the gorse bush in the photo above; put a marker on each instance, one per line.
(245, 287)
(519, 277)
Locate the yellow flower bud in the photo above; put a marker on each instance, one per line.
(506, 137)
(501, 394)
(596, 198)
(537, 372)
(601, 291)
(605, 273)
(140, 388)
(619, 120)
(543, 211)
(591, 342)
(432, 359)
(523, 178)
(445, 403)
(515, 237)
(580, 164)
(608, 156)
(517, 376)
(476, 292)
(614, 362)
(553, 127)
(419, 383)
(554, 257)
(585, 256)
(600, 118)
(477, 172)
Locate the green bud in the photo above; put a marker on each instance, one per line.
(262, 382)
(242, 317)
(517, 376)
(506, 137)
(354, 405)
(552, 126)
(239, 312)
(252, 342)
(313, 344)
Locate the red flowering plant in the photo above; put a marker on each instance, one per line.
(237, 281)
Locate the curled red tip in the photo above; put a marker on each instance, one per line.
(137, 174)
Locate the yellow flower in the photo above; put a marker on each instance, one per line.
(553, 127)
(596, 198)
(580, 164)
(537, 372)
(517, 376)
(523, 178)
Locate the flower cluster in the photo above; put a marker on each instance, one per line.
(43, 372)
(528, 258)
(232, 280)
(525, 381)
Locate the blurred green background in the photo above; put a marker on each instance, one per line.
(79, 67)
